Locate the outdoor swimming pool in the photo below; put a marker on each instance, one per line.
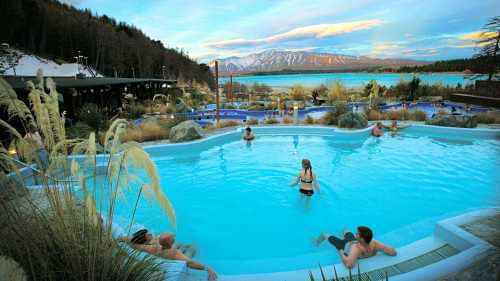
(234, 201)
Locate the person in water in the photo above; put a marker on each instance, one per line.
(164, 246)
(248, 135)
(377, 130)
(359, 246)
(307, 179)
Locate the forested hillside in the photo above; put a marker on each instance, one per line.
(476, 65)
(58, 31)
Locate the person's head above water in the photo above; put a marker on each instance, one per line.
(140, 237)
(167, 240)
(364, 234)
(248, 130)
(306, 165)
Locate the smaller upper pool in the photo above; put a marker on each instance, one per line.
(233, 199)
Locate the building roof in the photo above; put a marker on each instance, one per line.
(19, 82)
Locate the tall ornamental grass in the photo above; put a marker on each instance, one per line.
(64, 230)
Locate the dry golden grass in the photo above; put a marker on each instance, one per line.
(228, 123)
(287, 120)
(488, 118)
(252, 122)
(309, 120)
(147, 131)
(373, 114)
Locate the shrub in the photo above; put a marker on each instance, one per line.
(209, 128)
(271, 120)
(309, 120)
(352, 120)
(252, 122)
(287, 120)
(372, 114)
(488, 118)
(79, 131)
(228, 123)
(147, 131)
(419, 115)
(92, 115)
(136, 110)
(328, 119)
(340, 108)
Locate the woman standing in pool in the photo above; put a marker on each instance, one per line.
(307, 179)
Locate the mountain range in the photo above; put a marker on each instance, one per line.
(275, 60)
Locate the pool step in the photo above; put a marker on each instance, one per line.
(426, 259)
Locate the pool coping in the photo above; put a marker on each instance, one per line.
(447, 231)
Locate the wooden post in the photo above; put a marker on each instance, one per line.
(217, 116)
(230, 92)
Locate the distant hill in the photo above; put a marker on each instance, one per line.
(57, 31)
(274, 60)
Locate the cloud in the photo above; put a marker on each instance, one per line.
(307, 32)
(422, 52)
(470, 40)
(385, 48)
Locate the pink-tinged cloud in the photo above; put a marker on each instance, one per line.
(311, 31)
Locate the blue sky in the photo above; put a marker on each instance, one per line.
(416, 29)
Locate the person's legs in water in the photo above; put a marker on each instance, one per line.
(322, 237)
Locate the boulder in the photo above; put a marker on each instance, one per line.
(186, 131)
(460, 121)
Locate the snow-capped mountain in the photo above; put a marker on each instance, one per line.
(273, 60)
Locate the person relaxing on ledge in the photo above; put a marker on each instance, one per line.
(248, 135)
(163, 246)
(377, 130)
(360, 246)
(306, 178)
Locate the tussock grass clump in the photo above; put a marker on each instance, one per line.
(271, 120)
(61, 234)
(309, 120)
(228, 123)
(252, 122)
(488, 118)
(287, 120)
(147, 131)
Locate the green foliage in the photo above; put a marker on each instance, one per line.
(335, 277)
(79, 130)
(490, 37)
(352, 120)
(331, 117)
(92, 115)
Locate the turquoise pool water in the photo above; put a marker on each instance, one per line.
(234, 202)
(348, 79)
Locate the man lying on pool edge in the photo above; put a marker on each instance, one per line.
(164, 248)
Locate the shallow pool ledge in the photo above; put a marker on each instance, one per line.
(447, 232)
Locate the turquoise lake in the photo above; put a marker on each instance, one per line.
(351, 80)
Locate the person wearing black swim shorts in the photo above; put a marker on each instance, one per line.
(361, 245)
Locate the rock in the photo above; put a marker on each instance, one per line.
(460, 121)
(186, 131)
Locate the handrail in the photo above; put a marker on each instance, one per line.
(35, 169)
